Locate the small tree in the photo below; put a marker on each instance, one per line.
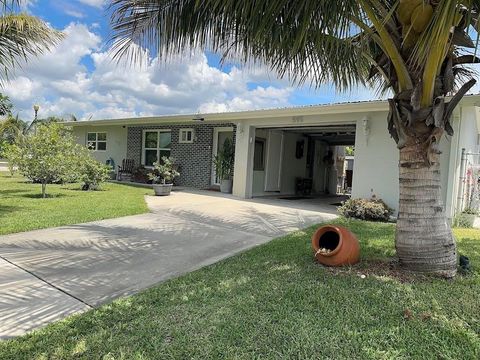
(47, 156)
(11, 127)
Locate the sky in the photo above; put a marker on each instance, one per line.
(79, 77)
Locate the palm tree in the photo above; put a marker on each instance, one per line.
(21, 37)
(419, 50)
(6, 105)
(11, 128)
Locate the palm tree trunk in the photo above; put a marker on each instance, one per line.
(424, 239)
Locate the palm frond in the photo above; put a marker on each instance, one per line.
(306, 40)
(9, 5)
(23, 36)
(315, 41)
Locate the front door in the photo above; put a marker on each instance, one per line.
(219, 136)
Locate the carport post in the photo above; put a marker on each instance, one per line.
(243, 172)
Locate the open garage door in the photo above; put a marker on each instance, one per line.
(308, 161)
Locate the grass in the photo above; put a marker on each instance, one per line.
(275, 302)
(23, 209)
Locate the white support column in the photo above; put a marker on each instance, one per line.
(243, 173)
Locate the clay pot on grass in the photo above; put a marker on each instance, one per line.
(335, 246)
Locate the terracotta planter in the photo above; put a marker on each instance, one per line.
(335, 246)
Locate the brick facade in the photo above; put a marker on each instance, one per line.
(194, 160)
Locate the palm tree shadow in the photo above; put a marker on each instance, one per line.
(5, 209)
(48, 196)
(86, 191)
(12, 191)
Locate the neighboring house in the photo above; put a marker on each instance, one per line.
(273, 148)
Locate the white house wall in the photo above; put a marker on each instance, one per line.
(116, 141)
(375, 169)
(376, 162)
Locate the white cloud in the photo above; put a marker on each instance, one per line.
(22, 89)
(62, 85)
(79, 77)
(94, 3)
(258, 98)
(25, 4)
(74, 13)
(64, 61)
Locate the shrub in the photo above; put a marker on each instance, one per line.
(470, 211)
(164, 172)
(364, 209)
(92, 173)
(464, 220)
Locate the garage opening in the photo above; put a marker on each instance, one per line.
(304, 162)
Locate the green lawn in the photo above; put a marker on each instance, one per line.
(22, 208)
(275, 302)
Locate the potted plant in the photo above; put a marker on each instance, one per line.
(223, 163)
(162, 176)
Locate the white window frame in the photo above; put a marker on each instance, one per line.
(96, 141)
(186, 131)
(158, 143)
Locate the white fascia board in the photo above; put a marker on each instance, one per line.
(340, 108)
(370, 106)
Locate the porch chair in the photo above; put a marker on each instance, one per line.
(125, 171)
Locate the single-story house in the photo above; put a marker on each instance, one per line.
(275, 148)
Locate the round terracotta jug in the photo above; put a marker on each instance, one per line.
(335, 246)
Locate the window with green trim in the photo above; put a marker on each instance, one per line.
(156, 144)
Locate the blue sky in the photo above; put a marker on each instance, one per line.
(79, 77)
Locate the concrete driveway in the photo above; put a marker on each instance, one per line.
(48, 274)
